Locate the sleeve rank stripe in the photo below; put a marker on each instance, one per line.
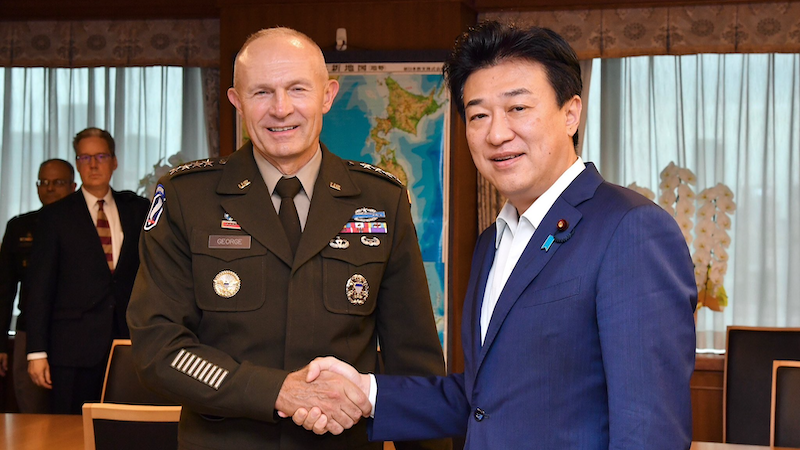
(224, 374)
(175, 361)
(188, 363)
(200, 369)
(211, 373)
(203, 373)
(196, 363)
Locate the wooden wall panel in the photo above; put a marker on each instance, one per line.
(706, 389)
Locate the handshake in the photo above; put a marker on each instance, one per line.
(328, 395)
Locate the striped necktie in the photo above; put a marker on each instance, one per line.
(104, 231)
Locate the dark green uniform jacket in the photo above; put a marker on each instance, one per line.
(221, 313)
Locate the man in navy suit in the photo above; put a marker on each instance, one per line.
(83, 265)
(578, 325)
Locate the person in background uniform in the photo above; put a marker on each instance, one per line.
(84, 262)
(56, 181)
(234, 294)
(578, 320)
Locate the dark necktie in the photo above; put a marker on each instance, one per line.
(104, 231)
(287, 188)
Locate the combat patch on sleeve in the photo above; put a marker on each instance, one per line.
(156, 208)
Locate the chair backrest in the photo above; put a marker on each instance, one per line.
(122, 384)
(109, 426)
(748, 380)
(784, 425)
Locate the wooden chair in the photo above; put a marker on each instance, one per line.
(129, 415)
(748, 380)
(784, 423)
(108, 426)
(122, 384)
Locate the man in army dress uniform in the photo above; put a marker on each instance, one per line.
(232, 300)
(56, 181)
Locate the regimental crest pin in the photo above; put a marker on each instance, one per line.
(357, 289)
(227, 283)
(370, 241)
(339, 243)
(229, 224)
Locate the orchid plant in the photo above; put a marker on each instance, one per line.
(710, 239)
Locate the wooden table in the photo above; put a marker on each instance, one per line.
(65, 432)
(718, 446)
(41, 432)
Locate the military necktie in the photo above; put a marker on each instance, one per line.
(104, 231)
(288, 188)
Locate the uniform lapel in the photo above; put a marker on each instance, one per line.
(330, 207)
(535, 257)
(250, 205)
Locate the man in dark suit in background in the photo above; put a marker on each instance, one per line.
(56, 181)
(85, 260)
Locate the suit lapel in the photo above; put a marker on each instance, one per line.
(471, 324)
(127, 221)
(250, 205)
(330, 208)
(85, 227)
(535, 257)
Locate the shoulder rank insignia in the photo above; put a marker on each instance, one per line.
(200, 163)
(375, 169)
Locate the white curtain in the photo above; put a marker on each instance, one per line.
(152, 113)
(731, 119)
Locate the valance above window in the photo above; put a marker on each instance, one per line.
(119, 43)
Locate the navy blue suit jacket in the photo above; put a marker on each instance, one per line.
(591, 345)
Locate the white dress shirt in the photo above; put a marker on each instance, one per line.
(110, 208)
(513, 234)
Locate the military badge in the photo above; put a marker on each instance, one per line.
(368, 215)
(370, 241)
(339, 243)
(156, 208)
(227, 283)
(229, 224)
(244, 184)
(357, 289)
(364, 227)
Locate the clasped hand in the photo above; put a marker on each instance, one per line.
(328, 395)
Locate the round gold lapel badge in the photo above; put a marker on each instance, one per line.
(227, 283)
